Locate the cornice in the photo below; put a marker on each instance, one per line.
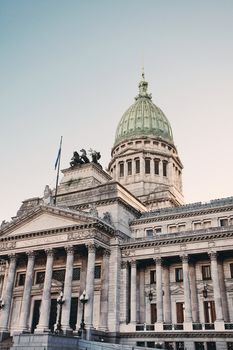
(166, 217)
(180, 334)
(183, 237)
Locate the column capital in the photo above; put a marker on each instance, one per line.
(133, 263)
(106, 253)
(184, 258)
(31, 254)
(49, 252)
(158, 260)
(69, 249)
(12, 257)
(91, 247)
(124, 264)
(213, 255)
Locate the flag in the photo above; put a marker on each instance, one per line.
(58, 155)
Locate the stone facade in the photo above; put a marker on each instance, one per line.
(153, 271)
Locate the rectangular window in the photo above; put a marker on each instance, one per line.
(149, 232)
(97, 272)
(180, 312)
(121, 166)
(20, 279)
(211, 345)
(40, 275)
(197, 225)
(152, 276)
(59, 275)
(156, 163)
(179, 345)
(230, 346)
(231, 270)
(181, 227)
(164, 168)
(223, 222)
(207, 224)
(179, 274)
(137, 165)
(199, 345)
(76, 274)
(153, 313)
(158, 230)
(206, 272)
(129, 164)
(147, 166)
(172, 229)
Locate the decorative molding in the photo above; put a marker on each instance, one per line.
(31, 254)
(91, 247)
(69, 250)
(106, 253)
(49, 252)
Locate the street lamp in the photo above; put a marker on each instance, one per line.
(83, 299)
(2, 304)
(60, 302)
(150, 295)
(205, 291)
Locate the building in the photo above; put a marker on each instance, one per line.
(154, 270)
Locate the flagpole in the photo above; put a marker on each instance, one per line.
(58, 170)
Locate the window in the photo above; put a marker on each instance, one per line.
(153, 313)
(207, 224)
(158, 229)
(179, 274)
(197, 225)
(179, 345)
(181, 227)
(223, 222)
(156, 163)
(129, 165)
(172, 229)
(59, 275)
(137, 165)
(206, 272)
(152, 276)
(199, 345)
(76, 274)
(140, 343)
(151, 344)
(209, 311)
(230, 346)
(147, 165)
(164, 168)
(121, 166)
(211, 345)
(20, 279)
(180, 312)
(149, 232)
(231, 270)
(97, 271)
(40, 275)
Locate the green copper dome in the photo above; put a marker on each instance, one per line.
(143, 119)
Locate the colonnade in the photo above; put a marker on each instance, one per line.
(163, 293)
(43, 325)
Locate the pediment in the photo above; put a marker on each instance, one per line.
(45, 219)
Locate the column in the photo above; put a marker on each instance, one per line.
(7, 297)
(65, 319)
(159, 290)
(43, 325)
(83, 274)
(104, 292)
(133, 294)
(90, 285)
(193, 289)
(124, 292)
(167, 296)
(223, 291)
(216, 286)
(187, 294)
(26, 302)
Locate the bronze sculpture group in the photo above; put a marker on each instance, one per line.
(83, 158)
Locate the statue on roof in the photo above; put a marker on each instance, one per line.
(48, 196)
(95, 156)
(76, 160)
(84, 156)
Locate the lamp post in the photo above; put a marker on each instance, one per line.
(83, 300)
(205, 291)
(150, 295)
(60, 302)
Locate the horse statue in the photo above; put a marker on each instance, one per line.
(95, 156)
(76, 160)
(84, 156)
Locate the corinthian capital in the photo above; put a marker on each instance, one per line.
(185, 258)
(69, 250)
(91, 247)
(49, 252)
(213, 255)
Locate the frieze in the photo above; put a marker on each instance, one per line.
(7, 245)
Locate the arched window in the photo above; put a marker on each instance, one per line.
(121, 168)
(137, 165)
(156, 166)
(147, 165)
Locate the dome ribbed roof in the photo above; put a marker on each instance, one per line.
(143, 119)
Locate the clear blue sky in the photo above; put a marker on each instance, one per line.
(71, 68)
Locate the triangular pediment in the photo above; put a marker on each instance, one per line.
(45, 218)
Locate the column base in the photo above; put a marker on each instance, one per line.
(219, 325)
(4, 335)
(42, 329)
(158, 326)
(188, 326)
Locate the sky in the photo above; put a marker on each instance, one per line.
(72, 68)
